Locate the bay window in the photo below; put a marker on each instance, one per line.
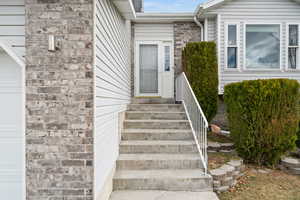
(293, 46)
(262, 46)
(232, 47)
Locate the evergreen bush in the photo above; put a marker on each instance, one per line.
(263, 118)
(201, 68)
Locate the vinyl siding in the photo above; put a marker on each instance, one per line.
(154, 32)
(112, 85)
(12, 25)
(255, 11)
(212, 29)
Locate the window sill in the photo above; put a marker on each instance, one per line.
(292, 70)
(263, 70)
(232, 70)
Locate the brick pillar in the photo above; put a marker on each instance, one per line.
(184, 32)
(59, 100)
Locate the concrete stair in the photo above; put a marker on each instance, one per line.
(158, 152)
(149, 108)
(169, 180)
(135, 115)
(158, 161)
(162, 195)
(158, 146)
(156, 134)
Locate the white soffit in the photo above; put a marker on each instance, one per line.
(126, 8)
(163, 17)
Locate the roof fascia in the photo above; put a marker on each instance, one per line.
(163, 17)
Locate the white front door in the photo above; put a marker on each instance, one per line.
(154, 73)
(11, 130)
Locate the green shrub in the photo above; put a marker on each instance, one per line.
(263, 118)
(298, 135)
(201, 68)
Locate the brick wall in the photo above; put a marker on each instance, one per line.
(59, 100)
(184, 32)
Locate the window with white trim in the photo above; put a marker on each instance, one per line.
(262, 46)
(232, 46)
(293, 46)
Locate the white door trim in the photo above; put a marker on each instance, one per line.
(137, 68)
(21, 64)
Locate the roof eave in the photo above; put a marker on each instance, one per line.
(126, 8)
(163, 17)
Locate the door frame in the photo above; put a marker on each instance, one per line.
(137, 68)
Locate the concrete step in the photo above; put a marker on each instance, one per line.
(156, 134)
(157, 124)
(158, 146)
(145, 115)
(152, 101)
(156, 107)
(169, 180)
(158, 161)
(161, 195)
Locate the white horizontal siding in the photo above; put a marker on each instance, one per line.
(154, 32)
(112, 86)
(12, 25)
(255, 11)
(211, 29)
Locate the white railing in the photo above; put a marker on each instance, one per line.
(198, 121)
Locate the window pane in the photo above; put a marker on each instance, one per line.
(263, 46)
(148, 68)
(232, 36)
(232, 57)
(293, 35)
(167, 58)
(293, 58)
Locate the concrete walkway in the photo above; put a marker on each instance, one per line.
(162, 195)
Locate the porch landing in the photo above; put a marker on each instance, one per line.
(162, 195)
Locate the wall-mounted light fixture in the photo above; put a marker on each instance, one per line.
(51, 46)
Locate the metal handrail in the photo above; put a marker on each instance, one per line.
(195, 114)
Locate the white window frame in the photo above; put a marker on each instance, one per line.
(288, 46)
(167, 44)
(228, 46)
(280, 47)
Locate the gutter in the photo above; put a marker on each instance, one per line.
(201, 27)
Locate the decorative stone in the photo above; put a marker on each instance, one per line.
(228, 181)
(227, 175)
(264, 171)
(291, 162)
(218, 173)
(220, 147)
(229, 169)
(222, 189)
(216, 184)
(236, 164)
(295, 171)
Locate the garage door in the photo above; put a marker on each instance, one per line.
(11, 134)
